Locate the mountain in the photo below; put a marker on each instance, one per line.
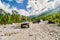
(14, 11)
(57, 9)
(2, 11)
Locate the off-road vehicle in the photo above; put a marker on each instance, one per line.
(25, 24)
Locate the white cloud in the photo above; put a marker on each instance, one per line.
(19, 1)
(23, 12)
(38, 5)
(5, 7)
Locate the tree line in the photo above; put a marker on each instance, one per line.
(53, 17)
(8, 18)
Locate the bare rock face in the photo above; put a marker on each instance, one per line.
(41, 31)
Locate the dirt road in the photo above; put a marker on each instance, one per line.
(41, 31)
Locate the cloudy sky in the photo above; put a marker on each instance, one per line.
(27, 7)
(19, 4)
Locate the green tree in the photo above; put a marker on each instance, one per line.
(15, 18)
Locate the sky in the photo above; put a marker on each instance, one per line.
(19, 4)
(28, 7)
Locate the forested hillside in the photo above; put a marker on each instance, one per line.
(53, 17)
(7, 18)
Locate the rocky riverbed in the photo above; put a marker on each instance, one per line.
(41, 31)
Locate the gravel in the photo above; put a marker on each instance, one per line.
(41, 31)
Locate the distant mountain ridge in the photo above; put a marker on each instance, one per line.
(57, 9)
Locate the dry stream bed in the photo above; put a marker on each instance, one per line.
(41, 31)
